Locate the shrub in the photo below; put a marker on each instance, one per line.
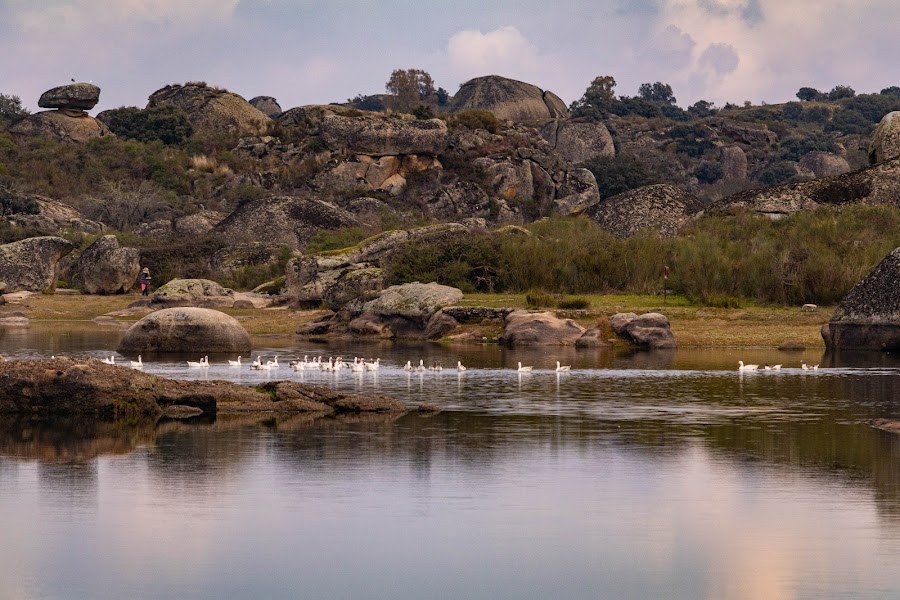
(577, 303)
(778, 173)
(13, 203)
(167, 124)
(617, 174)
(474, 119)
(539, 299)
(709, 172)
(849, 121)
(120, 205)
(693, 140)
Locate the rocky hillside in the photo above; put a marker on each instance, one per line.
(202, 172)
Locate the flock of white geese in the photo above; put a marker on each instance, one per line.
(330, 366)
(767, 367)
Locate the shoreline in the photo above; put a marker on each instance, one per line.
(693, 326)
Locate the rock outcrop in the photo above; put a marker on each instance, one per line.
(380, 135)
(662, 209)
(886, 140)
(267, 105)
(287, 220)
(526, 328)
(509, 99)
(105, 267)
(650, 331)
(51, 217)
(879, 184)
(211, 109)
(203, 293)
(63, 125)
(824, 164)
(76, 96)
(195, 330)
(63, 387)
(32, 264)
(868, 317)
(578, 141)
(734, 163)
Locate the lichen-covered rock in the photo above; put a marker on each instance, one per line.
(578, 141)
(662, 209)
(824, 164)
(509, 99)
(105, 267)
(287, 220)
(650, 330)
(240, 256)
(734, 163)
(62, 125)
(192, 287)
(886, 140)
(577, 191)
(75, 96)
(51, 217)
(211, 109)
(186, 329)
(868, 317)
(353, 284)
(879, 184)
(592, 338)
(32, 264)
(510, 179)
(526, 328)
(382, 135)
(267, 105)
(411, 300)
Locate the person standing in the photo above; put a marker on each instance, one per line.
(145, 282)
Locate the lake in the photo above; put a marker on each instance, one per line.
(649, 475)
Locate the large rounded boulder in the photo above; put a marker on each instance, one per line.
(211, 109)
(868, 318)
(105, 267)
(63, 125)
(524, 328)
(578, 141)
(75, 96)
(886, 141)
(195, 330)
(509, 99)
(32, 264)
(650, 331)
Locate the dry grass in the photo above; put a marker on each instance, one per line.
(693, 326)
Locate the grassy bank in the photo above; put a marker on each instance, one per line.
(693, 325)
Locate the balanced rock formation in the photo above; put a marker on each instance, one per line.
(509, 99)
(526, 328)
(886, 140)
(662, 209)
(32, 264)
(578, 141)
(267, 105)
(286, 220)
(76, 96)
(211, 109)
(186, 329)
(868, 318)
(879, 184)
(105, 267)
(650, 331)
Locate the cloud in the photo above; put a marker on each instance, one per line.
(721, 59)
(496, 51)
(670, 50)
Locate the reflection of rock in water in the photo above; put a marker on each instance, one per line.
(646, 359)
(71, 440)
(860, 359)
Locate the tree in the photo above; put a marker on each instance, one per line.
(618, 174)
(808, 94)
(841, 91)
(598, 99)
(443, 97)
(121, 204)
(167, 124)
(792, 111)
(891, 91)
(658, 92)
(11, 109)
(362, 102)
(702, 108)
(409, 89)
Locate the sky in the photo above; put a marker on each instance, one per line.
(320, 51)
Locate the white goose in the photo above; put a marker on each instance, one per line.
(110, 361)
(772, 368)
(562, 368)
(373, 365)
(196, 364)
(522, 369)
(299, 365)
(743, 367)
(408, 366)
(234, 363)
(421, 365)
(460, 366)
(137, 364)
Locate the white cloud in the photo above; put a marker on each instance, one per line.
(498, 51)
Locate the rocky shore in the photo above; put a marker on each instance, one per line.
(62, 387)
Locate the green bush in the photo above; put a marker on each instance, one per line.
(539, 299)
(474, 119)
(167, 124)
(574, 303)
(709, 172)
(617, 174)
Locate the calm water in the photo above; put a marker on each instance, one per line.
(645, 476)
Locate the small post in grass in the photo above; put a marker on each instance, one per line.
(665, 283)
